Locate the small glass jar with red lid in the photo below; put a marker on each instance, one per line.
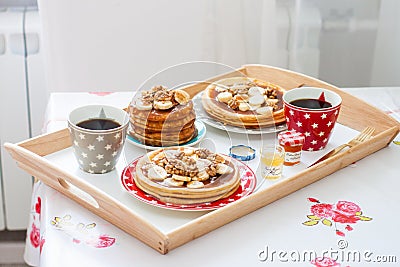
(292, 142)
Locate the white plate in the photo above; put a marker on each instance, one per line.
(203, 115)
(201, 132)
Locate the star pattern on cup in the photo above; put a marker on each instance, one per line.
(98, 152)
(316, 126)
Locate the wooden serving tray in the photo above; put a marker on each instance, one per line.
(356, 114)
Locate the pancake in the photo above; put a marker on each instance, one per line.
(157, 124)
(244, 102)
(166, 133)
(177, 112)
(177, 140)
(162, 117)
(186, 175)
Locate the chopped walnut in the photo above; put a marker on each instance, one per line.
(203, 153)
(158, 88)
(163, 95)
(233, 104)
(243, 91)
(212, 170)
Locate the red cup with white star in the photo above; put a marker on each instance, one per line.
(98, 134)
(313, 112)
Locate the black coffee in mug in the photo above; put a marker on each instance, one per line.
(99, 124)
(311, 103)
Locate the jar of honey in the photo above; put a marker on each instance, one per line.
(292, 142)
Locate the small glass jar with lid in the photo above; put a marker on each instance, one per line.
(292, 142)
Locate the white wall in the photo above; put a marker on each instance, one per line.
(115, 45)
(386, 64)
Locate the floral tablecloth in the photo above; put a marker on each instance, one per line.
(347, 219)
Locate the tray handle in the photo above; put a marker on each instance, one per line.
(89, 197)
(78, 193)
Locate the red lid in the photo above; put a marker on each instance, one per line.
(291, 138)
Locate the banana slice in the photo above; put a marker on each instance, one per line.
(219, 159)
(223, 169)
(163, 105)
(201, 176)
(244, 106)
(143, 106)
(182, 97)
(264, 110)
(256, 100)
(173, 182)
(202, 164)
(181, 178)
(239, 86)
(224, 97)
(158, 157)
(157, 173)
(188, 151)
(255, 107)
(195, 184)
(241, 98)
(256, 91)
(220, 89)
(271, 102)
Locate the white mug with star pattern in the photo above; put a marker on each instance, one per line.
(97, 149)
(313, 112)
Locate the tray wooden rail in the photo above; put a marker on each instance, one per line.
(355, 114)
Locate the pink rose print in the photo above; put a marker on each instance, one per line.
(343, 212)
(41, 244)
(38, 205)
(324, 262)
(322, 210)
(342, 218)
(101, 93)
(105, 241)
(311, 199)
(349, 228)
(82, 233)
(35, 236)
(348, 208)
(102, 241)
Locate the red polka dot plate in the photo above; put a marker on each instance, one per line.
(247, 186)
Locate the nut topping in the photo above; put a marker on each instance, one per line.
(186, 167)
(250, 95)
(161, 98)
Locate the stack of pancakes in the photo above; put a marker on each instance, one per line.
(186, 176)
(244, 102)
(162, 117)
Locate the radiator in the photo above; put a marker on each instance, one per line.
(23, 97)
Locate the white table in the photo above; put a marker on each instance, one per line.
(273, 235)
